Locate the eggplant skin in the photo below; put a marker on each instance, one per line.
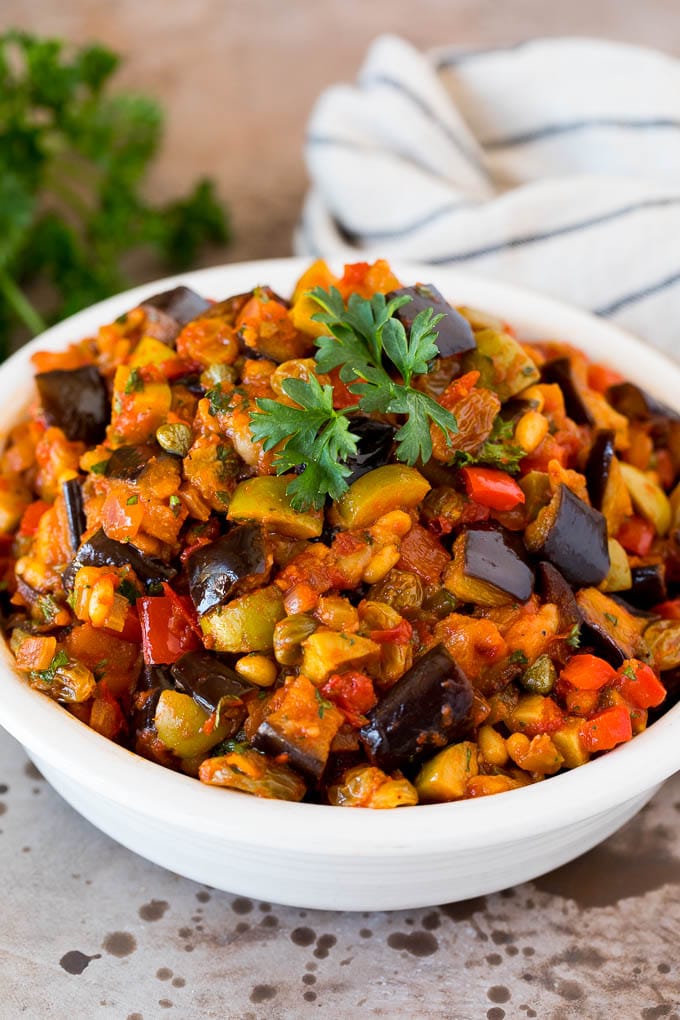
(207, 679)
(599, 465)
(428, 708)
(637, 404)
(554, 588)
(490, 557)
(374, 446)
(75, 513)
(76, 401)
(101, 551)
(560, 371)
(128, 462)
(181, 304)
(454, 333)
(215, 570)
(649, 586)
(576, 541)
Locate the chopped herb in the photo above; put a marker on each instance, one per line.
(47, 608)
(135, 383)
(122, 319)
(132, 500)
(71, 600)
(224, 497)
(519, 657)
(127, 589)
(528, 370)
(223, 452)
(219, 400)
(468, 758)
(175, 504)
(574, 636)
(155, 588)
(495, 451)
(48, 675)
(614, 620)
(99, 468)
(629, 672)
(322, 703)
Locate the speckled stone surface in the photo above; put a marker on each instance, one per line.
(91, 930)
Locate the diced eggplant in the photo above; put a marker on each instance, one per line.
(638, 405)
(216, 569)
(610, 627)
(619, 578)
(649, 585)
(503, 364)
(554, 588)
(488, 568)
(560, 371)
(208, 679)
(599, 466)
(153, 680)
(181, 304)
(428, 708)
(455, 334)
(376, 440)
(75, 514)
(573, 536)
(76, 401)
(101, 551)
(128, 462)
(300, 724)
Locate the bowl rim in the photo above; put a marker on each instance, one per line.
(164, 796)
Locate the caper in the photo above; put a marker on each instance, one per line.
(176, 438)
(540, 678)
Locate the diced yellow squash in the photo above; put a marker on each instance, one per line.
(150, 351)
(619, 577)
(392, 487)
(445, 776)
(318, 275)
(245, 624)
(567, 740)
(264, 500)
(327, 651)
(179, 722)
(649, 499)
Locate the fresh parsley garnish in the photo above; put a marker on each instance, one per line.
(99, 468)
(128, 591)
(496, 451)
(574, 636)
(377, 361)
(132, 500)
(629, 672)
(614, 620)
(74, 155)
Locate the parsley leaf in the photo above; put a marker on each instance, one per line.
(376, 360)
(574, 636)
(48, 675)
(322, 703)
(135, 383)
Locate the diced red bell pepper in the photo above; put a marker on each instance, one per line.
(168, 628)
(399, 635)
(588, 672)
(669, 610)
(636, 536)
(422, 554)
(31, 517)
(606, 729)
(640, 685)
(492, 488)
(131, 631)
(352, 693)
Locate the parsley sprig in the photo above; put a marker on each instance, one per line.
(377, 360)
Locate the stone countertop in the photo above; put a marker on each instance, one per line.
(91, 930)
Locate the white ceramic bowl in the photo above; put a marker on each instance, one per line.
(326, 857)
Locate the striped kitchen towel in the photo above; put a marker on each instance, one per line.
(554, 163)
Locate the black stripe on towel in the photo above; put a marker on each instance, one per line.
(376, 150)
(571, 127)
(410, 228)
(462, 56)
(425, 108)
(548, 235)
(638, 295)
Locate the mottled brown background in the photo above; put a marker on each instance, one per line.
(238, 78)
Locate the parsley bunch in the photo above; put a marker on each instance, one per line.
(377, 361)
(72, 163)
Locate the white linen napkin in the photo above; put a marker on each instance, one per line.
(554, 164)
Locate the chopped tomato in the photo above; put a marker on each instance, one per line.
(352, 693)
(669, 610)
(588, 672)
(600, 377)
(640, 685)
(492, 488)
(606, 729)
(168, 628)
(636, 536)
(399, 635)
(31, 517)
